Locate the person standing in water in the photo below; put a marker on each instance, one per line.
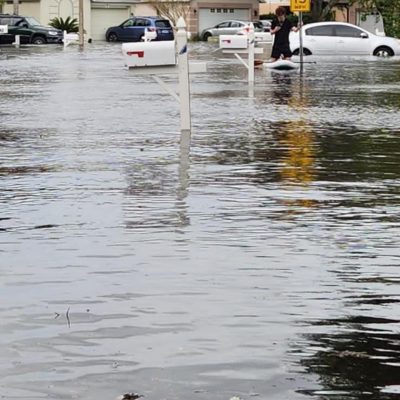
(281, 28)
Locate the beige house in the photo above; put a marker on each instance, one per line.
(98, 15)
(270, 6)
(101, 14)
(207, 13)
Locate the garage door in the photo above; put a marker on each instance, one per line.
(209, 17)
(103, 18)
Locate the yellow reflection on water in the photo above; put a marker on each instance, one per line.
(298, 163)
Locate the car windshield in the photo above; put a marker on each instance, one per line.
(32, 21)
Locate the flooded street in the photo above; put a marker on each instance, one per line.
(263, 263)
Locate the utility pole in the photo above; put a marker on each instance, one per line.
(15, 7)
(81, 35)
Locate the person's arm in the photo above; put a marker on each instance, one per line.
(296, 28)
(274, 27)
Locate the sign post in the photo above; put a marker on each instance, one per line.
(300, 6)
(81, 23)
(301, 40)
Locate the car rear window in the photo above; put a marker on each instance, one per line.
(163, 23)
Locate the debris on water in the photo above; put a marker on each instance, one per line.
(235, 398)
(130, 396)
(68, 320)
(352, 354)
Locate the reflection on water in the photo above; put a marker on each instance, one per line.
(259, 259)
(357, 359)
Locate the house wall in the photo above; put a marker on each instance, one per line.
(270, 6)
(45, 10)
(193, 19)
(29, 9)
(143, 9)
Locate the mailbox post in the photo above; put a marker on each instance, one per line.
(156, 58)
(242, 44)
(183, 73)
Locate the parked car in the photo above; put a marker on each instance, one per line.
(340, 38)
(230, 27)
(132, 30)
(30, 30)
(266, 23)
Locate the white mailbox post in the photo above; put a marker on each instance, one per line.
(70, 38)
(156, 58)
(242, 44)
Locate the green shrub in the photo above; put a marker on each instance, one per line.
(69, 24)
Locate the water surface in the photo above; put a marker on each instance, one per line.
(261, 263)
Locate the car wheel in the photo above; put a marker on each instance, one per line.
(112, 37)
(206, 36)
(38, 40)
(383, 51)
(306, 52)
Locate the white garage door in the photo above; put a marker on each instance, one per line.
(103, 18)
(209, 17)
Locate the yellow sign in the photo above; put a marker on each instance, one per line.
(300, 5)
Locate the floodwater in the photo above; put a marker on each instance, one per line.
(263, 263)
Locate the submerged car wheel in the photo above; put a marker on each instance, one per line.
(112, 37)
(306, 52)
(206, 36)
(383, 51)
(39, 40)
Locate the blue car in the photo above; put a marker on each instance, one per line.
(132, 30)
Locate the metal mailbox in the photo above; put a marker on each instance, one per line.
(148, 54)
(3, 29)
(233, 42)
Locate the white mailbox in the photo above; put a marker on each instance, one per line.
(233, 41)
(148, 54)
(3, 29)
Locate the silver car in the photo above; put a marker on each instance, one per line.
(230, 27)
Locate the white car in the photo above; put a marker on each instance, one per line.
(230, 27)
(340, 38)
